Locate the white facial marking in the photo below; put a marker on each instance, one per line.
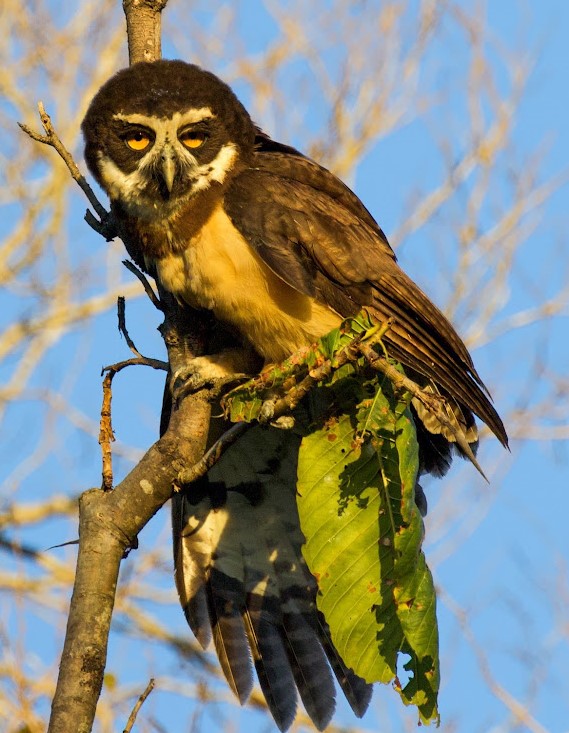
(130, 187)
(189, 117)
(217, 169)
(120, 185)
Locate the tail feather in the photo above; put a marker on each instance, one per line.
(197, 615)
(310, 669)
(225, 602)
(272, 665)
(242, 578)
(356, 690)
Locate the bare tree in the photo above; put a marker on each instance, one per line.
(61, 284)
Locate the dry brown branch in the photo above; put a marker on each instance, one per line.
(104, 225)
(106, 434)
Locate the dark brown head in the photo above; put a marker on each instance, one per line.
(158, 133)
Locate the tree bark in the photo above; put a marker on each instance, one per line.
(109, 522)
(143, 26)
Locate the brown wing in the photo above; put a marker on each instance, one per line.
(320, 239)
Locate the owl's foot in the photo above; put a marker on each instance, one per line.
(216, 371)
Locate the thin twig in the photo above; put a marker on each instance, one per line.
(432, 402)
(121, 314)
(212, 456)
(106, 434)
(104, 224)
(148, 289)
(136, 361)
(138, 705)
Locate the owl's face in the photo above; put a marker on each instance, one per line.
(158, 134)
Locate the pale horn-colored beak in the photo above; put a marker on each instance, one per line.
(168, 168)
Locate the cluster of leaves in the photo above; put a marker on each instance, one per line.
(357, 474)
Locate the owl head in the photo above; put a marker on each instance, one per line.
(159, 133)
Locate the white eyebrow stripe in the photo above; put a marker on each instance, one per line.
(188, 117)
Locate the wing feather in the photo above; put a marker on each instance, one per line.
(316, 235)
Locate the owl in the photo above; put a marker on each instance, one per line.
(279, 251)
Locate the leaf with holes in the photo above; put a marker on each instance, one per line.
(356, 482)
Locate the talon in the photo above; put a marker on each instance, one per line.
(284, 422)
(267, 411)
(192, 378)
(185, 381)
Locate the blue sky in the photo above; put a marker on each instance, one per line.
(500, 559)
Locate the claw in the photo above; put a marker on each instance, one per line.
(192, 378)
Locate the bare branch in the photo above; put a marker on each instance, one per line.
(104, 523)
(139, 703)
(51, 138)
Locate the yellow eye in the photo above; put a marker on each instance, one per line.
(193, 139)
(137, 140)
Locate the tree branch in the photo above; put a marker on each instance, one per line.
(143, 21)
(138, 705)
(104, 225)
(109, 521)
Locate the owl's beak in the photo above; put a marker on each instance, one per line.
(168, 169)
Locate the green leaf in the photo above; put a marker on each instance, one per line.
(356, 481)
(244, 406)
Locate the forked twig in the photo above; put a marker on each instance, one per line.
(106, 434)
(104, 225)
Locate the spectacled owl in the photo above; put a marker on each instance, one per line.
(281, 251)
